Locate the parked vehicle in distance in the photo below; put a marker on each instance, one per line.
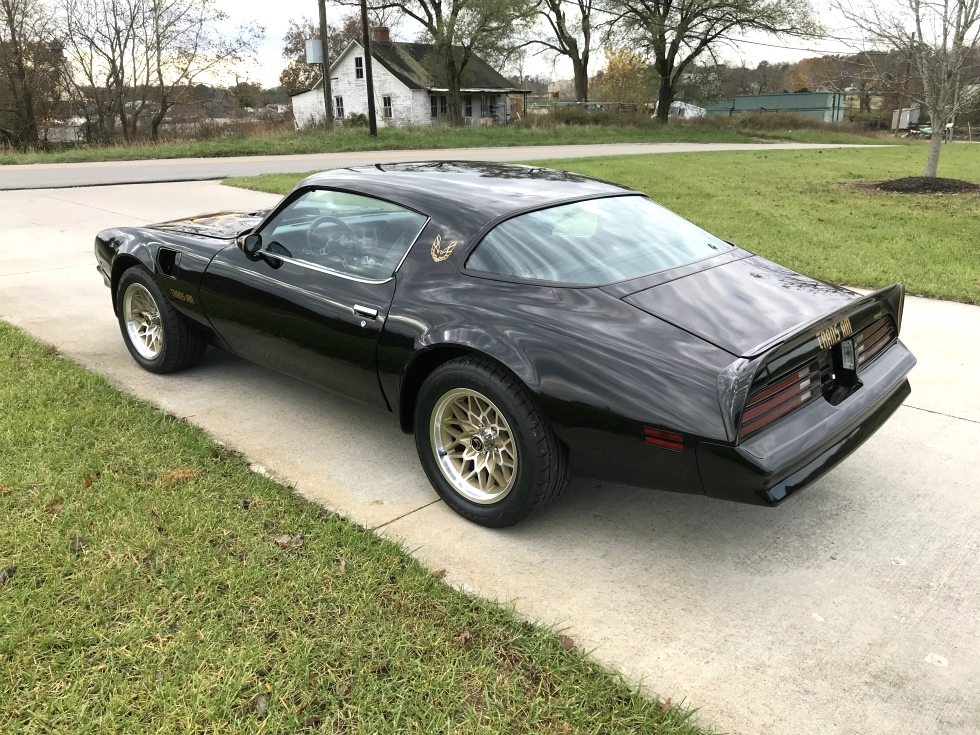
(526, 324)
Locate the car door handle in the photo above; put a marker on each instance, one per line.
(365, 311)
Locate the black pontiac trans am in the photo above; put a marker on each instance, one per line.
(526, 324)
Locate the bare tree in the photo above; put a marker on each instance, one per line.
(100, 38)
(461, 28)
(30, 68)
(135, 57)
(675, 33)
(703, 81)
(939, 38)
(571, 23)
(183, 44)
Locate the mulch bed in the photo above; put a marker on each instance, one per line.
(925, 185)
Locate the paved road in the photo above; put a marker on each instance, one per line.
(61, 175)
(853, 609)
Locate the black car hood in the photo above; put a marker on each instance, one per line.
(222, 225)
(742, 304)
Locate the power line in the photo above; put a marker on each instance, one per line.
(851, 50)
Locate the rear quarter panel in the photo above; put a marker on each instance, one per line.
(598, 368)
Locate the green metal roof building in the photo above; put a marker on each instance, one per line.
(826, 106)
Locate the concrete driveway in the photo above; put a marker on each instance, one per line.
(854, 608)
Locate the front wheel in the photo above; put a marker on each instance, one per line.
(485, 447)
(157, 336)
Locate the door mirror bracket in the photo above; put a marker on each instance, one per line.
(251, 245)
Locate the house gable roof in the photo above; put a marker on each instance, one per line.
(416, 65)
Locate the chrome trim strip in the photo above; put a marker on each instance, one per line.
(424, 225)
(322, 269)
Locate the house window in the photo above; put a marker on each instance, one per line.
(434, 105)
(489, 107)
(338, 106)
(443, 105)
(386, 105)
(467, 105)
(359, 67)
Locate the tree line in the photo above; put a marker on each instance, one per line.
(672, 44)
(937, 39)
(122, 65)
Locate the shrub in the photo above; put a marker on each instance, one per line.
(356, 120)
(764, 121)
(579, 115)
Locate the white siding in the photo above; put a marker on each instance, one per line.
(408, 106)
(354, 91)
(308, 107)
(420, 107)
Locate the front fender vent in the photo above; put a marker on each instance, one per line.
(167, 262)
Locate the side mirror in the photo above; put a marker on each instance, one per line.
(251, 244)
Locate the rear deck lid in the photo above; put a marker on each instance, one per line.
(741, 305)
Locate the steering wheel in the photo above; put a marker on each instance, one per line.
(343, 247)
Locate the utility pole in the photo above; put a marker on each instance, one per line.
(901, 98)
(327, 101)
(368, 75)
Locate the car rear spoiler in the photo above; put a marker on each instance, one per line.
(735, 381)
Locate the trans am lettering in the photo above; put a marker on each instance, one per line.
(829, 337)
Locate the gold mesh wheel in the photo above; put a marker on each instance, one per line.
(142, 318)
(473, 445)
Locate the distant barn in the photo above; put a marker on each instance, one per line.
(826, 106)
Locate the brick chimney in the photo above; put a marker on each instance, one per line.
(380, 34)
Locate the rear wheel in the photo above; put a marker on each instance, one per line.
(485, 447)
(157, 336)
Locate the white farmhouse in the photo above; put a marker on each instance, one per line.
(409, 88)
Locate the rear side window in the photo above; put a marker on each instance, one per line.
(593, 242)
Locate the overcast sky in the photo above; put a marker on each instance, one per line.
(275, 17)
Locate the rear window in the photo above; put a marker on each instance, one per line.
(593, 242)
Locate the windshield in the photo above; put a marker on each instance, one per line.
(593, 242)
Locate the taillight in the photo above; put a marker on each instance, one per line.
(869, 342)
(780, 398)
(665, 439)
(901, 309)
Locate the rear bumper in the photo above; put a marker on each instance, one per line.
(775, 463)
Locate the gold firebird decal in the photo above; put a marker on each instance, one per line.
(440, 253)
(829, 337)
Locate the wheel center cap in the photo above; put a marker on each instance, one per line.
(477, 443)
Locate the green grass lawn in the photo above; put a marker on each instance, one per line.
(151, 595)
(357, 139)
(810, 210)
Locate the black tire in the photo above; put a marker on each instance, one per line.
(181, 345)
(542, 466)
